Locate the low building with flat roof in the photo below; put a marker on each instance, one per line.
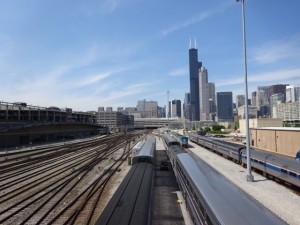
(259, 122)
(115, 120)
(281, 140)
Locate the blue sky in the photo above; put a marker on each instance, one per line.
(85, 54)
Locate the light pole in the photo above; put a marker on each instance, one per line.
(249, 176)
(168, 107)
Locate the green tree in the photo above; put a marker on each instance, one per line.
(236, 125)
(217, 127)
(207, 129)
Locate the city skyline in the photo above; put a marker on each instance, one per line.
(116, 52)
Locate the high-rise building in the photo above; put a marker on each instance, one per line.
(141, 105)
(120, 109)
(252, 112)
(261, 98)
(175, 108)
(253, 98)
(277, 88)
(224, 107)
(161, 112)
(275, 99)
(109, 109)
(114, 119)
(130, 109)
(194, 82)
(147, 108)
(292, 93)
(151, 106)
(265, 89)
(240, 100)
(289, 111)
(100, 109)
(187, 106)
(203, 94)
(212, 99)
(264, 111)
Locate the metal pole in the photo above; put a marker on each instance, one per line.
(168, 106)
(249, 176)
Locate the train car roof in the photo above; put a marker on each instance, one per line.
(170, 138)
(193, 135)
(176, 149)
(148, 148)
(130, 201)
(228, 202)
(203, 137)
(180, 138)
(217, 141)
(275, 159)
(230, 144)
(178, 135)
(139, 144)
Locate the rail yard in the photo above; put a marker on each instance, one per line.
(60, 184)
(89, 181)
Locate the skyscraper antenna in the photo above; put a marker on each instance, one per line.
(190, 43)
(195, 43)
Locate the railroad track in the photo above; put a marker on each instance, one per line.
(60, 188)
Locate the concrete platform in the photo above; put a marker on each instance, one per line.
(166, 209)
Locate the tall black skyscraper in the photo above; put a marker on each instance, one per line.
(194, 82)
(224, 106)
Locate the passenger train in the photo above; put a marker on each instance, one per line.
(271, 165)
(183, 140)
(144, 151)
(131, 202)
(137, 147)
(211, 198)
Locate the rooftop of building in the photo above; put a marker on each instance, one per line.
(278, 128)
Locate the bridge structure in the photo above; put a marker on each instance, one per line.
(153, 123)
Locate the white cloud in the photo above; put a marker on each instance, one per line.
(102, 7)
(186, 23)
(283, 76)
(179, 72)
(95, 78)
(108, 6)
(118, 96)
(274, 51)
(128, 91)
(74, 79)
(273, 76)
(197, 18)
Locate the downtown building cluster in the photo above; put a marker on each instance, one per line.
(279, 101)
(149, 109)
(203, 103)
